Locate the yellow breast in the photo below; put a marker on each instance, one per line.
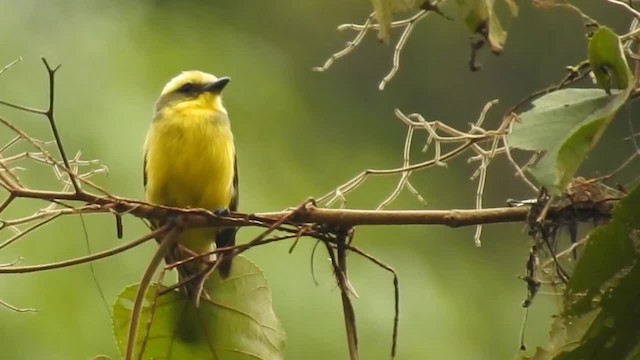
(190, 159)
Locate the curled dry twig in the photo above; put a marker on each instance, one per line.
(361, 31)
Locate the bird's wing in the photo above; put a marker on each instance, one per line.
(144, 171)
(227, 236)
(233, 205)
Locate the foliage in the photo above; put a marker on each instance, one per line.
(598, 320)
(236, 322)
(566, 124)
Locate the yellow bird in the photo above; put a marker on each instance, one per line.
(190, 161)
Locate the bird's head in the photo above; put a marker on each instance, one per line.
(193, 89)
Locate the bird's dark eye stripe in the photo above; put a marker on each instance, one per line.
(188, 88)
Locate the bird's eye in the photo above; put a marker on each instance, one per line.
(188, 88)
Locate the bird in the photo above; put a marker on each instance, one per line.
(190, 162)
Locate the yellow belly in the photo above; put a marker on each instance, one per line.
(190, 163)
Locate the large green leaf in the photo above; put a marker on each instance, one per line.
(237, 323)
(565, 124)
(607, 60)
(602, 299)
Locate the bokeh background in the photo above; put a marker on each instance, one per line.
(299, 134)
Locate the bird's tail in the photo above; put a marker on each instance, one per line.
(190, 273)
(226, 237)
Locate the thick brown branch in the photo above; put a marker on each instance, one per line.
(310, 213)
(451, 218)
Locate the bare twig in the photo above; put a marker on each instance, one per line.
(92, 270)
(486, 157)
(574, 74)
(152, 313)
(82, 259)
(347, 306)
(410, 25)
(19, 235)
(396, 294)
(9, 65)
(38, 145)
(14, 308)
(464, 140)
(350, 46)
(168, 241)
(49, 113)
(627, 7)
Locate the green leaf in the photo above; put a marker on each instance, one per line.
(565, 336)
(601, 312)
(513, 7)
(607, 60)
(237, 322)
(480, 18)
(383, 16)
(566, 124)
(384, 10)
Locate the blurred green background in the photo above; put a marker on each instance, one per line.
(298, 134)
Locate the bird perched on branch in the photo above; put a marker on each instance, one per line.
(190, 161)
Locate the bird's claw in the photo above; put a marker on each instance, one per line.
(221, 212)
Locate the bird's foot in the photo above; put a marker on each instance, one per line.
(221, 212)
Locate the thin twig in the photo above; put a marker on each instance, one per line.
(52, 123)
(92, 269)
(9, 144)
(519, 171)
(23, 108)
(205, 276)
(9, 65)
(396, 294)
(39, 146)
(47, 213)
(152, 312)
(624, 4)
(291, 214)
(350, 46)
(168, 241)
(400, 45)
(347, 306)
(565, 252)
(405, 175)
(465, 140)
(82, 259)
(16, 237)
(16, 309)
(6, 202)
(484, 164)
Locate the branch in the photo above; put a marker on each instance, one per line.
(339, 269)
(167, 243)
(308, 214)
(83, 259)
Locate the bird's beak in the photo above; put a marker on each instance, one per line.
(217, 86)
